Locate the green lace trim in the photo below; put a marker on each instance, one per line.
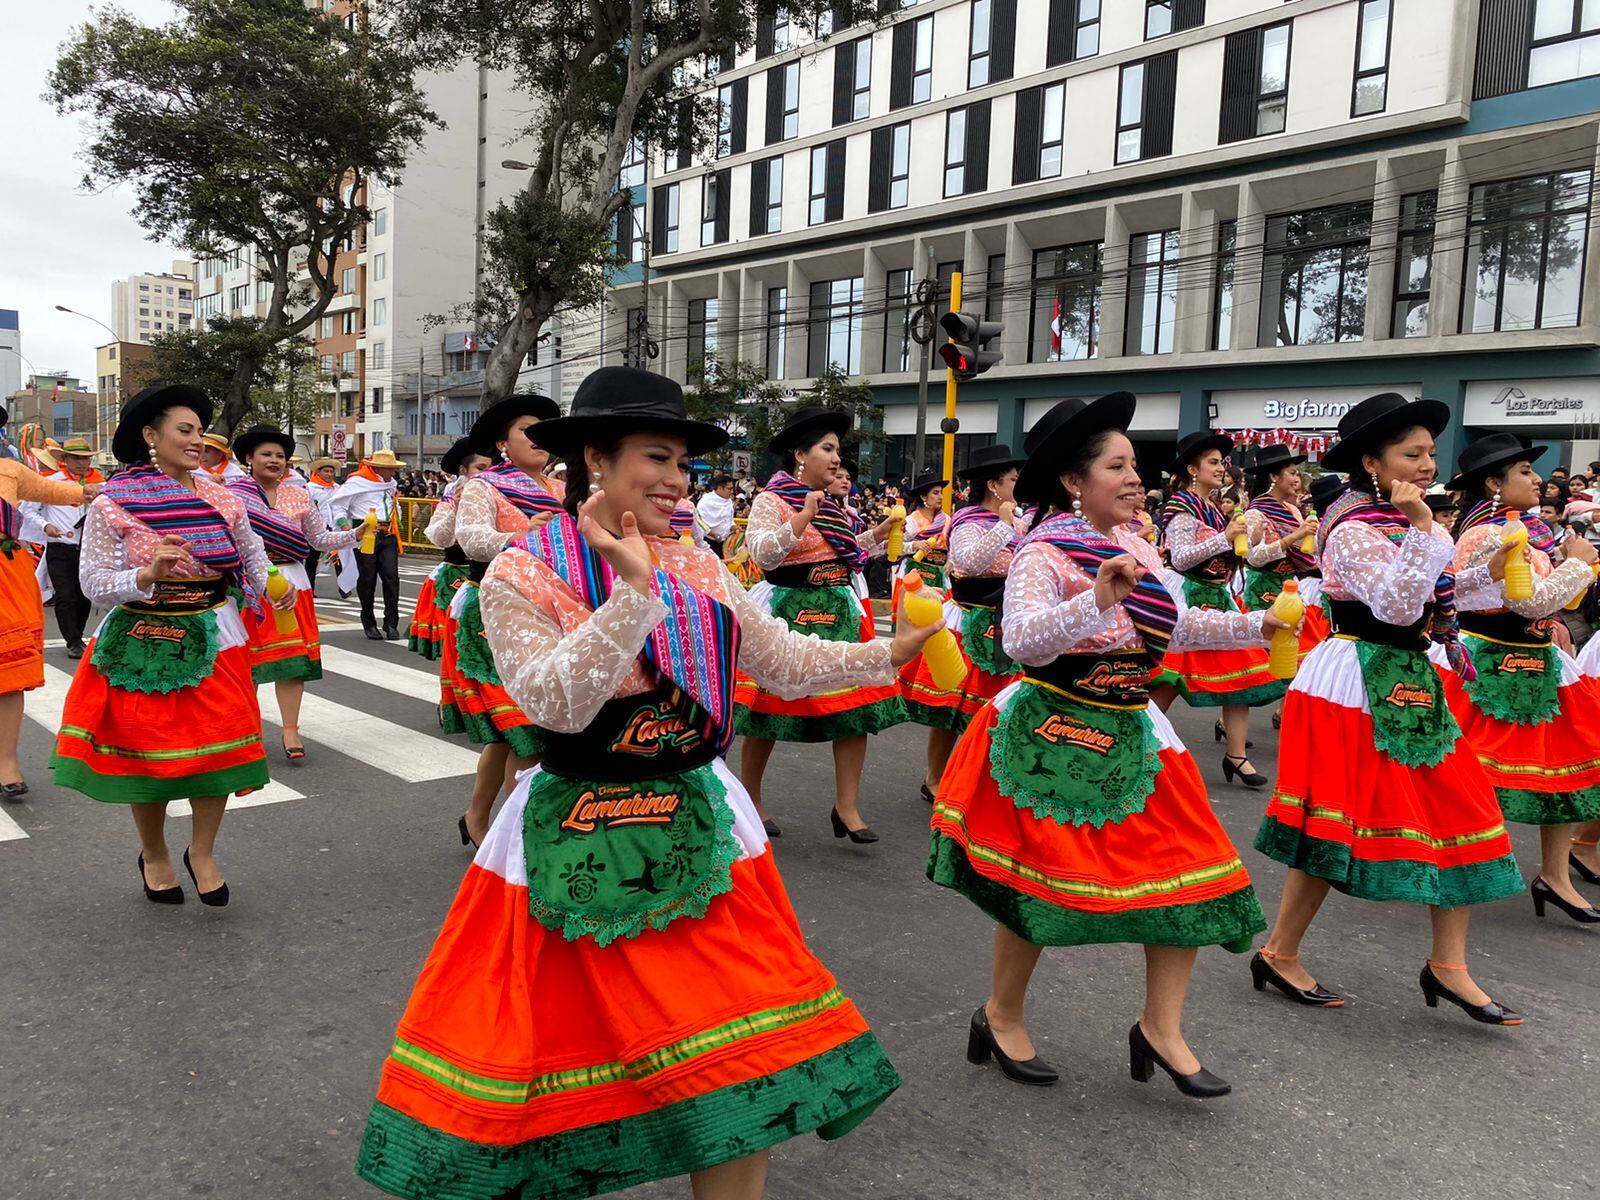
(665, 850)
(1230, 921)
(832, 613)
(1517, 684)
(296, 667)
(1407, 880)
(785, 727)
(474, 658)
(1072, 763)
(830, 1094)
(1549, 808)
(1208, 595)
(430, 648)
(980, 639)
(76, 774)
(1412, 723)
(156, 653)
(936, 716)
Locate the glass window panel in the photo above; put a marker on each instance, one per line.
(1275, 59)
(1271, 115)
(1374, 35)
(1131, 109)
(1371, 94)
(1158, 18)
(1552, 18)
(1050, 161)
(978, 72)
(1088, 41)
(899, 194)
(955, 140)
(1563, 276)
(1552, 64)
(1591, 15)
(1128, 145)
(980, 26)
(1088, 10)
(1054, 103)
(924, 44)
(901, 156)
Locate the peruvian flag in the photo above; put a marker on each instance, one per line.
(1055, 326)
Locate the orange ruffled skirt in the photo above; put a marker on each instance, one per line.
(21, 622)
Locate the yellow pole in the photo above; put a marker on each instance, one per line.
(950, 406)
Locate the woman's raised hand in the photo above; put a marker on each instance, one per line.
(629, 555)
(1115, 580)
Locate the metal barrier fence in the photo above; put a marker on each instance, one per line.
(415, 512)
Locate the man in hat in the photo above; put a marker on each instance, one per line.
(372, 489)
(63, 527)
(715, 512)
(321, 484)
(216, 456)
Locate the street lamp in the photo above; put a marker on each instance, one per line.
(515, 164)
(87, 317)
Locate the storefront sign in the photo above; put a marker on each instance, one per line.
(1157, 412)
(1295, 408)
(979, 416)
(1533, 402)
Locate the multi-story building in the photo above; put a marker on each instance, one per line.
(60, 404)
(145, 305)
(1250, 213)
(10, 351)
(121, 369)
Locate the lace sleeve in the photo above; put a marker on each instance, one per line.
(1269, 549)
(1187, 547)
(561, 680)
(1477, 591)
(252, 550)
(769, 536)
(103, 571)
(323, 539)
(1396, 584)
(1046, 614)
(794, 664)
(1212, 629)
(441, 529)
(973, 548)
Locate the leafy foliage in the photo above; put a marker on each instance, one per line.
(283, 387)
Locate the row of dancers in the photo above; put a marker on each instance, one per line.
(621, 991)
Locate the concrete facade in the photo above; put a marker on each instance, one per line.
(143, 306)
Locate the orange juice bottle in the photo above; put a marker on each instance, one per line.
(1519, 571)
(1309, 544)
(277, 588)
(1284, 657)
(1241, 540)
(941, 652)
(369, 534)
(897, 533)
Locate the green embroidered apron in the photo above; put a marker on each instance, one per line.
(163, 644)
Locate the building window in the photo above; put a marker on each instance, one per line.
(347, 280)
(897, 310)
(380, 221)
(1413, 269)
(702, 335)
(1314, 276)
(380, 312)
(349, 322)
(239, 297)
(911, 63)
(1073, 32)
(375, 356)
(666, 219)
(1146, 102)
(1130, 113)
(1566, 41)
(676, 154)
(835, 333)
(966, 150)
(1371, 89)
(955, 152)
(900, 165)
(826, 195)
(716, 195)
(144, 312)
(724, 121)
(1055, 109)
(631, 173)
(144, 287)
(380, 267)
(852, 81)
(636, 233)
(787, 108)
(922, 72)
(1066, 303)
(1255, 83)
(766, 196)
(1525, 253)
(377, 400)
(184, 294)
(347, 363)
(780, 32)
(1152, 292)
(1222, 293)
(978, 57)
(777, 331)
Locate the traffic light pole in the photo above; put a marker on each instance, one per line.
(949, 423)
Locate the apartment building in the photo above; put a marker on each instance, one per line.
(145, 305)
(1250, 213)
(121, 369)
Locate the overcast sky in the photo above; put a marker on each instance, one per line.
(59, 245)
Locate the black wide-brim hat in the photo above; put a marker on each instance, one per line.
(925, 483)
(127, 443)
(258, 435)
(1196, 444)
(459, 452)
(808, 420)
(1377, 418)
(1069, 422)
(988, 461)
(1326, 489)
(614, 401)
(1275, 458)
(1490, 455)
(1440, 502)
(493, 422)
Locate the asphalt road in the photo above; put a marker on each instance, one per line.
(187, 1052)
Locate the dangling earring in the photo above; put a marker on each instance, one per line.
(1496, 500)
(1376, 489)
(152, 452)
(1077, 506)
(594, 484)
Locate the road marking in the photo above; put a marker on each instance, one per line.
(10, 831)
(391, 676)
(383, 745)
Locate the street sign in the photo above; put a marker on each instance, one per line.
(336, 443)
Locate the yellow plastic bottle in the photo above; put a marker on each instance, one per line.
(1308, 544)
(941, 652)
(1576, 602)
(1283, 660)
(369, 534)
(1241, 540)
(1519, 571)
(897, 532)
(277, 588)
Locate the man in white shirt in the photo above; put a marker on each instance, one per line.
(714, 513)
(372, 490)
(216, 457)
(63, 527)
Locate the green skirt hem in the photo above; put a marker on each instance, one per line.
(829, 1095)
(1266, 693)
(1405, 880)
(780, 727)
(935, 717)
(430, 650)
(1230, 921)
(143, 789)
(1549, 808)
(300, 668)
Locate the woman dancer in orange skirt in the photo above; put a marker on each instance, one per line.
(982, 538)
(621, 991)
(1071, 812)
(1530, 714)
(291, 527)
(1378, 795)
(162, 707)
(1200, 546)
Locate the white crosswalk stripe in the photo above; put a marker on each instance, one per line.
(392, 676)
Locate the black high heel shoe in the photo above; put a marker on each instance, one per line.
(927, 795)
(466, 837)
(770, 827)
(1492, 1013)
(1143, 1061)
(1232, 766)
(861, 837)
(171, 895)
(217, 897)
(981, 1047)
(1221, 735)
(1544, 894)
(1263, 972)
(1584, 873)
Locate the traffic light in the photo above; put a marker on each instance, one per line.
(965, 353)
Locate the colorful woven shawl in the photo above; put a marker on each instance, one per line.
(168, 507)
(1149, 606)
(682, 519)
(1284, 520)
(934, 533)
(284, 539)
(694, 647)
(1194, 505)
(1385, 518)
(1485, 512)
(517, 486)
(831, 521)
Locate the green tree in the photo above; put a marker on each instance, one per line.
(597, 76)
(284, 389)
(245, 123)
